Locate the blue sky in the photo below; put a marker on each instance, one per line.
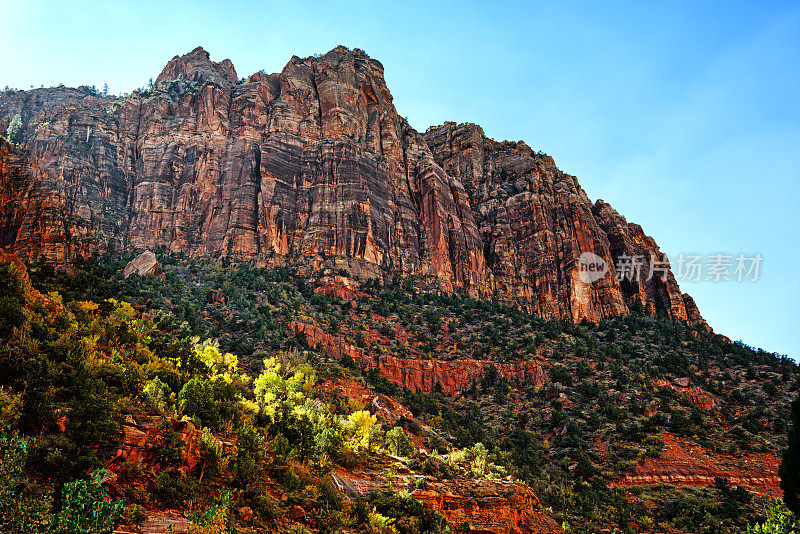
(685, 116)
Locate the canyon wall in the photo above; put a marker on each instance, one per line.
(313, 162)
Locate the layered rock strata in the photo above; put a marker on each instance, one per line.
(451, 376)
(312, 162)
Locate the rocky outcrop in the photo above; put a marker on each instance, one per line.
(494, 506)
(310, 163)
(197, 66)
(165, 523)
(342, 287)
(142, 432)
(693, 394)
(693, 316)
(143, 264)
(22, 271)
(684, 463)
(489, 506)
(485, 506)
(215, 297)
(452, 376)
(386, 408)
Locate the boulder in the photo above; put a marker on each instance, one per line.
(143, 264)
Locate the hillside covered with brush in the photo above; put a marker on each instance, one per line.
(265, 398)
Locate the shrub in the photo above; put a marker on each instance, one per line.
(14, 131)
(398, 443)
(85, 509)
(172, 488)
(10, 407)
(780, 520)
(214, 519)
(21, 511)
(396, 512)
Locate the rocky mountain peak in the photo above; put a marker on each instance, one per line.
(197, 65)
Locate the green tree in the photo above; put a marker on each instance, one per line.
(780, 520)
(21, 510)
(93, 424)
(197, 399)
(249, 455)
(397, 442)
(12, 298)
(790, 466)
(86, 509)
(14, 131)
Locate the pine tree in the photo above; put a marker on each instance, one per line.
(14, 132)
(790, 467)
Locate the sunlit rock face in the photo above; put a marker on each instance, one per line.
(535, 222)
(312, 162)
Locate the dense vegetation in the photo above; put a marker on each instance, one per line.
(210, 343)
(75, 367)
(790, 467)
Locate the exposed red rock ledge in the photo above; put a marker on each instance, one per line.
(339, 286)
(486, 506)
(683, 463)
(496, 506)
(694, 394)
(385, 407)
(453, 376)
(22, 271)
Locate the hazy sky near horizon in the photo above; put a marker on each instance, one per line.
(685, 116)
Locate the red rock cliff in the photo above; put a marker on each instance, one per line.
(453, 376)
(313, 161)
(535, 222)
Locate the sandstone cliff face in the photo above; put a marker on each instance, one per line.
(535, 222)
(312, 162)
